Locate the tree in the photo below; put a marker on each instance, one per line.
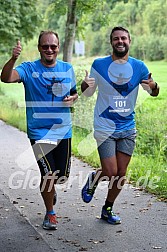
(19, 19)
(78, 13)
(74, 10)
(70, 31)
(155, 17)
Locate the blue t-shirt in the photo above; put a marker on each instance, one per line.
(118, 84)
(45, 89)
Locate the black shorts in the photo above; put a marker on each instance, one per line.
(53, 158)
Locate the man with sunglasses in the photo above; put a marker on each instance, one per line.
(50, 91)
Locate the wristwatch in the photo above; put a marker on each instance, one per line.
(155, 86)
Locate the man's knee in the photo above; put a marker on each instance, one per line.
(110, 172)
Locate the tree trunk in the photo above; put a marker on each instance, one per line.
(70, 31)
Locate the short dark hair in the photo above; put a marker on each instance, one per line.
(45, 33)
(119, 28)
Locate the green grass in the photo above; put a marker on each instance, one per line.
(150, 156)
(12, 105)
(148, 167)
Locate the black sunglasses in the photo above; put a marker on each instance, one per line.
(46, 47)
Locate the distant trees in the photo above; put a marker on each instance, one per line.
(146, 21)
(78, 14)
(91, 20)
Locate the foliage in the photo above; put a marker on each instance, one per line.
(85, 14)
(151, 49)
(145, 19)
(155, 17)
(97, 42)
(18, 20)
(146, 22)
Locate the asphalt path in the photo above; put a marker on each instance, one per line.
(144, 221)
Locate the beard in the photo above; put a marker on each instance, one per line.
(120, 54)
(49, 61)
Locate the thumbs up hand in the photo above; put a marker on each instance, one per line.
(148, 84)
(89, 81)
(16, 50)
(149, 76)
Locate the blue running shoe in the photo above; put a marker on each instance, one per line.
(89, 188)
(109, 216)
(50, 222)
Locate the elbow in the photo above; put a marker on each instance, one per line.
(4, 79)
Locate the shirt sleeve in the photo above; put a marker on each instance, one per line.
(22, 71)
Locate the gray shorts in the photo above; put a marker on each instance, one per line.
(113, 144)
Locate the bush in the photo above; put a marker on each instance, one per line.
(97, 44)
(164, 46)
(149, 48)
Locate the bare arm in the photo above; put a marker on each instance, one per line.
(8, 74)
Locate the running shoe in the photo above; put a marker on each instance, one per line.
(109, 216)
(89, 188)
(55, 198)
(50, 222)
